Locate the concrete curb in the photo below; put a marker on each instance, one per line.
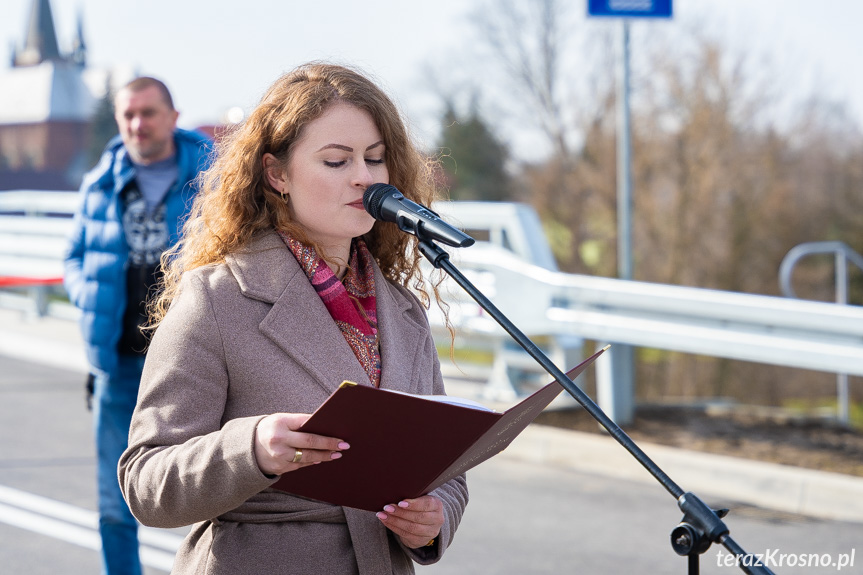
(779, 487)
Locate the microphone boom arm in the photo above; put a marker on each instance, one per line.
(701, 525)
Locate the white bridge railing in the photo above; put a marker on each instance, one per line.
(774, 330)
(561, 310)
(34, 226)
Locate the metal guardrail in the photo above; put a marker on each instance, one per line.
(766, 329)
(34, 226)
(842, 255)
(565, 309)
(39, 202)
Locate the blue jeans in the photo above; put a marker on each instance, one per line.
(115, 398)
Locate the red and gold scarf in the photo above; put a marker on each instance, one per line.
(351, 302)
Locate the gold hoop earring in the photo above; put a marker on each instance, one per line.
(285, 197)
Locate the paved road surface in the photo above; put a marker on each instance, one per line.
(523, 518)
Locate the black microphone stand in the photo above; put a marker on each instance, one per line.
(701, 526)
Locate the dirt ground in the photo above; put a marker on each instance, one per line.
(737, 431)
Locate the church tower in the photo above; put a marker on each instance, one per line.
(47, 99)
(79, 48)
(40, 44)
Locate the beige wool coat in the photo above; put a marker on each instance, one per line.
(242, 340)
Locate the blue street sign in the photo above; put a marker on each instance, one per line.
(630, 8)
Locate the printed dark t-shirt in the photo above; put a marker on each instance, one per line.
(147, 236)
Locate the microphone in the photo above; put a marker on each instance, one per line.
(385, 203)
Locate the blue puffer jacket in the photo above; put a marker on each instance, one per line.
(96, 260)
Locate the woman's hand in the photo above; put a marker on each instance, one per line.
(277, 444)
(415, 521)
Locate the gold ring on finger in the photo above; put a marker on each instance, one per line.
(298, 454)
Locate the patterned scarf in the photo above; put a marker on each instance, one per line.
(351, 302)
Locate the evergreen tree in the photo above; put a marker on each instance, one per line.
(473, 158)
(103, 127)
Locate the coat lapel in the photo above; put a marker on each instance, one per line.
(399, 335)
(298, 322)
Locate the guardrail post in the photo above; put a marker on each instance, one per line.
(500, 386)
(614, 389)
(39, 293)
(842, 254)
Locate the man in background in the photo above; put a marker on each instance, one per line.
(131, 210)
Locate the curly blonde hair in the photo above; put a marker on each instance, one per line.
(236, 201)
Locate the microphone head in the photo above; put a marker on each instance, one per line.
(374, 196)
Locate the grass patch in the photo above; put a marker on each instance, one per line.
(466, 355)
(825, 406)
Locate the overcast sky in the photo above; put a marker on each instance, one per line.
(217, 54)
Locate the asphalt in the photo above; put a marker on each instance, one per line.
(554, 502)
(56, 342)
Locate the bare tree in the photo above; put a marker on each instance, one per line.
(525, 40)
(723, 186)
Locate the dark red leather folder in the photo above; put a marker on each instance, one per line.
(404, 446)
